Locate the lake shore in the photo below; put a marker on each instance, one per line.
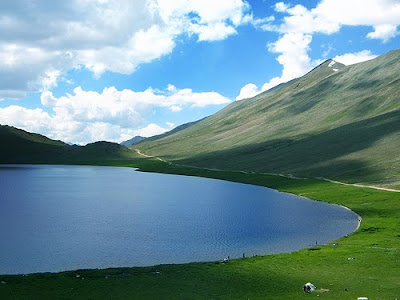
(207, 220)
(361, 264)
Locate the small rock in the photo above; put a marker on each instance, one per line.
(3, 282)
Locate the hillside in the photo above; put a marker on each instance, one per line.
(19, 146)
(132, 141)
(340, 122)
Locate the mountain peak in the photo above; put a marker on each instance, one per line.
(336, 66)
(332, 64)
(340, 124)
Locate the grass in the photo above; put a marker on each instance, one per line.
(341, 125)
(372, 271)
(19, 146)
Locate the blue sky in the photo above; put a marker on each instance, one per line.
(82, 71)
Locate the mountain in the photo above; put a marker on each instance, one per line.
(133, 141)
(139, 139)
(19, 146)
(173, 131)
(340, 122)
(101, 150)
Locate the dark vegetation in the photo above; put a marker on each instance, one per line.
(19, 146)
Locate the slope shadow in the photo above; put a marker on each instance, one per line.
(312, 155)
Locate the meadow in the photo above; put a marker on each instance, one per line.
(365, 263)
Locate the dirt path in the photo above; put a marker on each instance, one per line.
(275, 174)
(360, 185)
(152, 156)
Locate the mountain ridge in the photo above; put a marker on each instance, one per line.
(353, 111)
(343, 125)
(132, 141)
(20, 146)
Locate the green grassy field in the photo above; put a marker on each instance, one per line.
(373, 270)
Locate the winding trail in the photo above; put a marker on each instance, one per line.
(152, 156)
(274, 174)
(359, 185)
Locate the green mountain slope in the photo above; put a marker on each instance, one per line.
(19, 146)
(132, 141)
(340, 122)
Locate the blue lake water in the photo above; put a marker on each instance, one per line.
(55, 218)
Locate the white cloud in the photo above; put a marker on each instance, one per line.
(11, 94)
(353, 58)
(359, 12)
(281, 7)
(207, 11)
(178, 98)
(294, 58)
(41, 41)
(25, 69)
(170, 124)
(49, 79)
(88, 116)
(299, 24)
(248, 91)
(214, 32)
(272, 83)
(35, 120)
(175, 108)
(293, 48)
(383, 32)
(150, 130)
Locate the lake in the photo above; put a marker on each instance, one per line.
(55, 218)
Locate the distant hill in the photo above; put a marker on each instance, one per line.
(133, 141)
(19, 146)
(173, 131)
(101, 151)
(340, 122)
(139, 139)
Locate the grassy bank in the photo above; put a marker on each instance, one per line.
(373, 270)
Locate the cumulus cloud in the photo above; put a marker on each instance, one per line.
(215, 32)
(35, 120)
(151, 130)
(179, 98)
(113, 115)
(41, 41)
(328, 17)
(281, 7)
(293, 48)
(383, 32)
(356, 57)
(248, 91)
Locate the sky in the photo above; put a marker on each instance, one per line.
(81, 71)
